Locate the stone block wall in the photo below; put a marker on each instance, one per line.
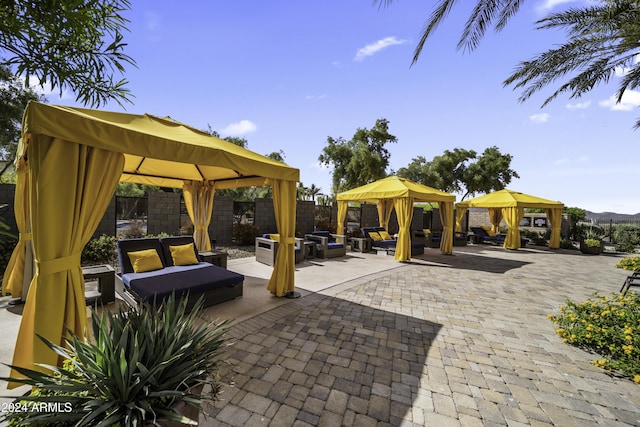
(164, 213)
(265, 217)
(7, 196)
(305, 217)
(107, 225)
(221, 225)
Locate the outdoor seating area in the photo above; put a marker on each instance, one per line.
(328, 245)
(381, 240)
(267, 249)
(154, 268)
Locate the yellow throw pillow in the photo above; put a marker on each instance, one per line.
(385, 235)
(426, 231)
(375, 236)
(275, 237)
(183, 254)
(146, 260)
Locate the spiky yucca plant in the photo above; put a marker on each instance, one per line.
(139, 366)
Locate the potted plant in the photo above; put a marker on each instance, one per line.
(591, 241)
(140, 366)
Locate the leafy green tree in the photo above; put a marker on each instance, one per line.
(68, 44)
(361, 160)
(602, 38)
(14, 97)
(462, 171)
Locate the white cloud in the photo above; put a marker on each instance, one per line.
(240, 128)
(568, 161)
(310, 97)
(579, 105)
(547, 5)
(375, 47)
(630, 100)
(539, 118)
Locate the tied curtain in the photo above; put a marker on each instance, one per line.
(460, 211)
(284, 204)
(342, 214)
(198, 198)
(62, 223)
(385, 206)
(555, 218)
(19, 269)
(495, 217)
(446, 218)
(404, 213)
(513, 217)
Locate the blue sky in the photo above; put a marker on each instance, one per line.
(285, 75)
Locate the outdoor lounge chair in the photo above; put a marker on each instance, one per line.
(328, 245)
(633, 280)
(486, 238)
(417, 247)
(267, 248)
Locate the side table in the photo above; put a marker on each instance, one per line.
(360, 244)
(310, 250)
(214, 257)
(99, 284)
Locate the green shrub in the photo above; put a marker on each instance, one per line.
(566, 244)
(536, 238)
(99, 251)
(629, 263)
(7, 245)
(140, 364)
(134, 231)
(627, 238)
(245, 234)
(607, 326)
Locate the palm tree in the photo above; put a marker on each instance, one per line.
(602, 40)
(313, 191)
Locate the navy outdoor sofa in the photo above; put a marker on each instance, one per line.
(215, 283)
(417, 247)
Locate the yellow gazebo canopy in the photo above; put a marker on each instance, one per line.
(400, 193)
(69, 161)
(510, 205)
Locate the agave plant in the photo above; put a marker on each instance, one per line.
(139, 366)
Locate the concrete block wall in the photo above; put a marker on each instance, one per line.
(164, 213)
(7, 197)
(107, 225)
(305, 217)
(265, 217)
(221, 225)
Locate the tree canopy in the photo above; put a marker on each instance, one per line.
(361, 160)
(14, 97)
(602, 41)
(68, 44)
(462, 171)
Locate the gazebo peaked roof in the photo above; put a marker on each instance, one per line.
(398, 193)
(394, 187)
(509, 205)
(157, 151)
(509, 198)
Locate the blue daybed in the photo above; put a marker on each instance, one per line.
(215, 283)
(417, 247)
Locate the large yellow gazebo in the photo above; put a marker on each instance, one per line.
(400, 193)
(510, 205)
(69, 161)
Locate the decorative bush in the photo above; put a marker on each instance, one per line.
(245, 234)
(99, 251)
(606, 326)
(134, 231)
(592, 243)
(627, 238)
(566, 244)
(140, 366)
(629, 263)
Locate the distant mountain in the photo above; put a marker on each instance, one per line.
(602, 216)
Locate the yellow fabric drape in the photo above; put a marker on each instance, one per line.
(404, 213)
(385, 206)
(62, 223)
(284, 204)
(198, 198)
(342, 215)
(495, 217)
(555, 218)
(460, 211)
(19, 269)
(513, 217)
(446, 217)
